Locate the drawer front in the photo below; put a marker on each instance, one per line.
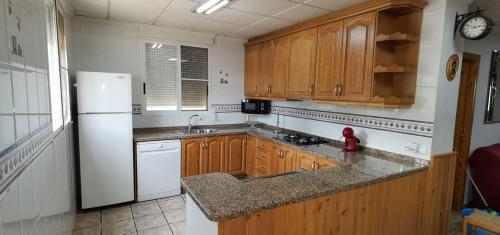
(262, 167)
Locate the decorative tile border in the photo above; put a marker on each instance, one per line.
(226, 108)
(16, 159)
(380, 123)
(411, 127)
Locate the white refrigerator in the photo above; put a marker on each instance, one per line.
(105, 138)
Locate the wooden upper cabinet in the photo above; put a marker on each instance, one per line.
(252, 70)
(213, 159)
(280, 71)
(302, 65)
(273, 68)
(358, 57)
(192, 153)
(329, 61)
(266, 68)
(236, 154)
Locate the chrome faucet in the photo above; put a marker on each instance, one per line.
(191, 118)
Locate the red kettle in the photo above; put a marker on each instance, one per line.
(350, 142)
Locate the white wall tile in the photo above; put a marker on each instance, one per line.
(4, 49)
(22, 126)
(7, 135)
(20, 91)
(6, 105)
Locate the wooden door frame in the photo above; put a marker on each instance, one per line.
(466, 127)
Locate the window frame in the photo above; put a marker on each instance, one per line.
(179, 110)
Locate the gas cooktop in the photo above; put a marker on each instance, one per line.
(300, 139)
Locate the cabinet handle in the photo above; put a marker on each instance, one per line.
(337, 90)
(269, 88)
(245, 141)
(313, 165)
(311, 89)
(340, 89)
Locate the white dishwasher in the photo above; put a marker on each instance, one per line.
(158, 169)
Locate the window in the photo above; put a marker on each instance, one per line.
(53, 66)
(172, 83)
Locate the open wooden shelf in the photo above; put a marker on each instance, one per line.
(393, 68)
(397, 37)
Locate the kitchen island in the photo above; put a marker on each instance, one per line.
(331, 201)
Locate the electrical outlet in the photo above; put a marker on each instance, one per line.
(411, 147)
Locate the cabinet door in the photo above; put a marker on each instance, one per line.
(358, 58)
(329, 61)
(235, 155)
(252, 70)
(306, 161)
(266, 63)
(192, 151)
(323, 163)
(251, 151)
(302, 64)
(277, 160)
(290, 159)
(213, 159)
(280, 63)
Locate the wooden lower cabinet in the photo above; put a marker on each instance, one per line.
(251, 152)
(310, 162)
(240, 154)
(284, 160)
(306, 161)
(236, 154)
(322, 163)
(263, 158)
(202, 155)
(215, 152)
(192, 152)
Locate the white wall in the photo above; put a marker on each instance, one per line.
(109, 46)
(483, 134)
(446, 101)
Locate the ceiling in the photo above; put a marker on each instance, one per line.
(492, 7)
(241, 18)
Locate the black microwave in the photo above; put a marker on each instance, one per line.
(253, 106)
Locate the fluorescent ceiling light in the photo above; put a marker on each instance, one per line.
(172, 59)
(159, 46)
(216, 7)
(154, 45)
(210, 6)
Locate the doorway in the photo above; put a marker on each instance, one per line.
(463, 124)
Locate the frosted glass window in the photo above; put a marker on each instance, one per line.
(161, 76)
(194, 78)
(172, 83)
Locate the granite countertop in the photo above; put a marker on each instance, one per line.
(221, 196)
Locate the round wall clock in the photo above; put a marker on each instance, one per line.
(452, 66)
(475, 27)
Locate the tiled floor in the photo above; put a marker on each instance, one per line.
(166, 216)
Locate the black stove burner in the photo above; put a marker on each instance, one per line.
(301, 139)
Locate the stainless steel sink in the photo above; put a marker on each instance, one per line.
(201, 131)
